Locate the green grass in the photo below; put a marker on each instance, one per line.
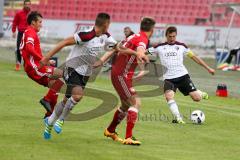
(21, 124)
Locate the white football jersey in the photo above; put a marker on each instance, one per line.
(88, 47)
(171, 58)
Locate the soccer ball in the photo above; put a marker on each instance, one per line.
(197, 117)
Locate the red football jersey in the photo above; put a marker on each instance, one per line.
(30, 49)
(124, 64)
(20, 21)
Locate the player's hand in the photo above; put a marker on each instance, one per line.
(140, 75)
(143, 58)
(14, 35)
(98, 64)
(43, 62)
(52, 62)
(211, 71)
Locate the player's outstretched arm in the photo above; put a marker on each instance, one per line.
(104, 58)
(142, 57)
(202, 63)
(120, 48)
(66, 42)
(142, 72)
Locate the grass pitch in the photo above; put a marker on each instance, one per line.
(21, 123)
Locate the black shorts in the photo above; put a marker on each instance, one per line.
(184, 84)
(73, 79)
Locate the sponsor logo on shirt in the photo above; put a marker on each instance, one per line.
(170, 54)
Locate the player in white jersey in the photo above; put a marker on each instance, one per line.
(175, 74)
(87, 45)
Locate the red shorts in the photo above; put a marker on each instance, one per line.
(123, 86)
(41, 76)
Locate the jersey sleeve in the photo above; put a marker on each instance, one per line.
(29, 38)
(29, 45)
(187, 51)
(77, 38)
(84, 36)
(111, 40)
(152, 51)
(110, 43)
(141, 43)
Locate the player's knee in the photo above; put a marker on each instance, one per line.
(196, 98)
(169, 95)
(77, 97)
(57, 73)
(77, 93)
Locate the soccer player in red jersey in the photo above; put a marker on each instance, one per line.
(20, 23)
(123, 68)
(32, 54)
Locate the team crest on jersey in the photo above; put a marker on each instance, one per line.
(101, 40)
(177, 48)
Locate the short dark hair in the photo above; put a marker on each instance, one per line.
(25, 1)
(170, 29)
(127, 28)
(147, 24)
(101, 19)
(33, 16)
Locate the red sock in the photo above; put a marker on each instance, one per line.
(52, 103)
(117, 118)
(50, 96)
(131, 120)
(57, 85)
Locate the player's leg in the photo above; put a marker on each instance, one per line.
(169, 93)
(124, 88)
(121, 87)
(18, 54)
(132, 116)
(75, 90)
(76, 96)
(119, 115)
(187, 87)
(57, 73)
(49, 121)
(50, 99)
(198, 95)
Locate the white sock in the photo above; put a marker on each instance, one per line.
(67, 108)
(174, 109)
(56, 113)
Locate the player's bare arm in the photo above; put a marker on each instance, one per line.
(202, 63)
(104, 58)
(142, 57)
(142, 72)
(118, 48)
(122, 49)
(66, 42)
